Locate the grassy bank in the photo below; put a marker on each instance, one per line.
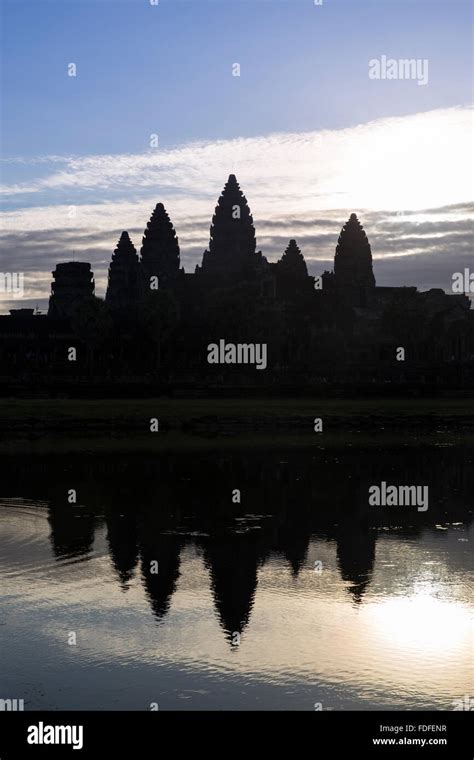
(108, 409)
(170, 442)
(121, 424)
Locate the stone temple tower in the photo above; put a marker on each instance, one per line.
(160, 251)
(232, 242)
(353, 271)
(292, 273)
(73, 282)
(292, 262)
(122, 290)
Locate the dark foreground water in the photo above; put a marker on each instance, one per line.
(301, 595)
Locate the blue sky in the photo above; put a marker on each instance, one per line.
(167, 69)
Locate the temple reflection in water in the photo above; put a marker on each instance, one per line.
(155, 507)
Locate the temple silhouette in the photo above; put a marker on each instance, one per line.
(157, 320)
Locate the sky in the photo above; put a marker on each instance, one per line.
(309, 133)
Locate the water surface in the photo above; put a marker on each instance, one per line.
(301, 595)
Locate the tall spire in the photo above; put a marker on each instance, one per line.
(292, 262)
(160, 249)
(232, 243)
(123, 276)
(353, 259)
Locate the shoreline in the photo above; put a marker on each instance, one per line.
(99, 424)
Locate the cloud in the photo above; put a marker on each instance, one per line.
(398, 162)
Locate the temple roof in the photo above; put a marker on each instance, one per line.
(293, 261)
(125, 250)
(160, 253)
(353, 259)
(232, 235)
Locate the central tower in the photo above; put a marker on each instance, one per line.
(232, 243)
(353, 271)
(353, 259)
